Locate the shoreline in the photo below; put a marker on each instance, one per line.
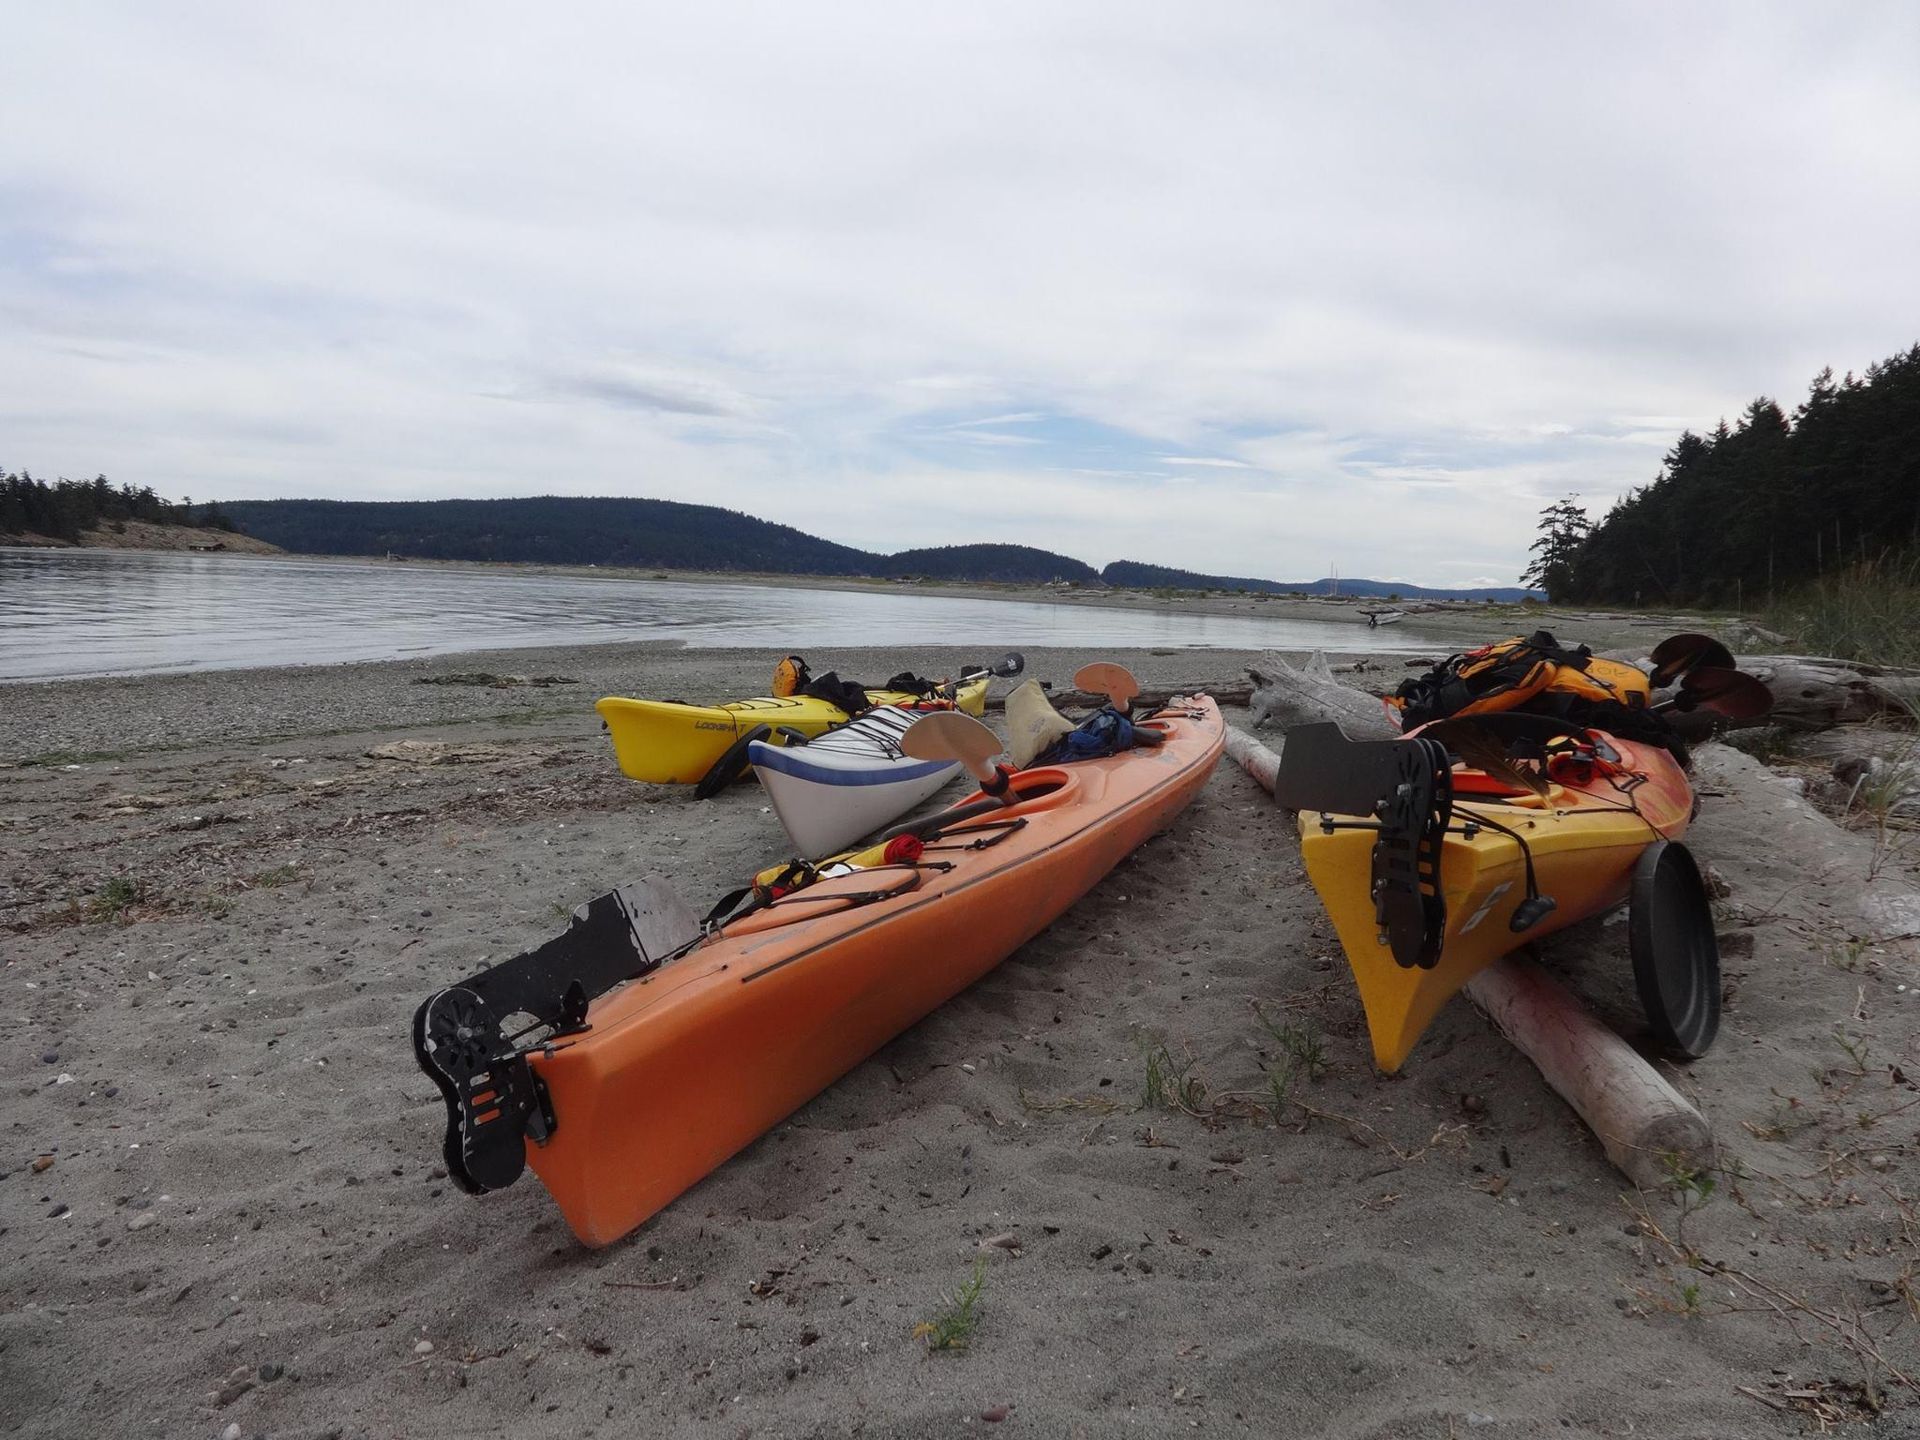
(1435, 626)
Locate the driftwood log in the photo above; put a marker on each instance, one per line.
(1287, 694)
(1815, 692)
(1645, 1126)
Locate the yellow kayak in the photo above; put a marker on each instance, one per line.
(1478, 867)
(663, 743)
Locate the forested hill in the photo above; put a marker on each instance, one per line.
(576, 530)
(1754, 510)
(665, 534)
(1016, 563)
(1136, 575)
(549, 529)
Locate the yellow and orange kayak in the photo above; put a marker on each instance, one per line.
(668, 1048)
(663, 742)
(1584, 831)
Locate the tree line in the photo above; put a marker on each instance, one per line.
(64, 509)
(1755, 509)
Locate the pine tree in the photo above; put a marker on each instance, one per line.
(1563, 530)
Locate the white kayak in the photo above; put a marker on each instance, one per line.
(846, 783)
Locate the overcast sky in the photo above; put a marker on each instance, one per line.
(1252, 289)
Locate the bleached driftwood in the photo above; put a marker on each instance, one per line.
(1256, 759)
(1814, 692)
(1643, 1123)
(1289, 694)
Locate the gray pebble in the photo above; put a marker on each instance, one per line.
(141, 1221)
(270, 1372)
(61, 1209)
(49, 1057)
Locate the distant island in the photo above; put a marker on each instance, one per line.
(671, 535)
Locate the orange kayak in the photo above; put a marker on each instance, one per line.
(664, 1055)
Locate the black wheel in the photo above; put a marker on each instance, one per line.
(1676, 958)
(731, 766)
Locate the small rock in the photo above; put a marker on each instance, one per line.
(1473, 1105)
(111, 1091)
(142, 1220)
(232, 1392)
(807, 1337)
(270, 1372)
(1476, 1419)
(1878, 1162)
(1228, 1157)
(60, 1211)
(42, 1162)
(994, 1414)
(232, 1432)
(50, 1057)
(1102, 1252)
(423, 1347)
(967, 1068)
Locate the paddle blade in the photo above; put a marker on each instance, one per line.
(1732, 693)
(1678, 654)
(1483, 751)
(950, 735)
(1103, 677)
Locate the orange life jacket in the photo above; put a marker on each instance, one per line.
(1534, 672)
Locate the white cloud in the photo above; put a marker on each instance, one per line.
(1418, 273)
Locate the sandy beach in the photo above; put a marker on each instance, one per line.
(222, 895)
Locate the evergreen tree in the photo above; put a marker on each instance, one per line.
(1563, 530)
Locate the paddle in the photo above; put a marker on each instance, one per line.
(1731, 693)
(950, 735)
(1005, 668)
(1678, 654)
(1116, 682)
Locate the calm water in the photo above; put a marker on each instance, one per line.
(101, 612)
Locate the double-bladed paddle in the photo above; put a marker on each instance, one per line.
(952, 736)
